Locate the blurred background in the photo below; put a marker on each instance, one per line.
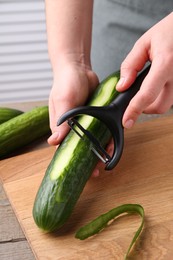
(25, 71)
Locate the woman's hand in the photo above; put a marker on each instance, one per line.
(156, 93)
(73, 83)
(69, 31)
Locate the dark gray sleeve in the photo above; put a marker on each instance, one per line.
(117, 24)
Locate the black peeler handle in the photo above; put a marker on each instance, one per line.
(123, 99)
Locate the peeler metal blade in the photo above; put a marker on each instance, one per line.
(95, 146)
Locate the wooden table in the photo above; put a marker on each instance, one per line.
(13, 244)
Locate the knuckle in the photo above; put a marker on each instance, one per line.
(147, 98)
(135, 110)
(160, 110)
(125, 65)
(164, 59)
(167, 58)
(141, 102)
(138, 43)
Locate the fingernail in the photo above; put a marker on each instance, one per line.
(129, 123)
(120, 83)
(55, 135)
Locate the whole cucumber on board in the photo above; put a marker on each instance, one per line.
(8, 113)
(23, 129)
(72, 165)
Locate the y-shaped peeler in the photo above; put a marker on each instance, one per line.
(111, 116)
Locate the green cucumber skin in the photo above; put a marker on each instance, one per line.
(56, 199)
(23, 129)
(8, 113)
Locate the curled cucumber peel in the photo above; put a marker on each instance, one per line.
(98, 224)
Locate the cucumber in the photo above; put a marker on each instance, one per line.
(23, 129)
(72, 165)
(8, 113)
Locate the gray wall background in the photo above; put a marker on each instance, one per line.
(25, 71)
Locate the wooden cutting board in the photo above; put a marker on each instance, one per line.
(144, 175)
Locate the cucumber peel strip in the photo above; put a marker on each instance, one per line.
(99, 223)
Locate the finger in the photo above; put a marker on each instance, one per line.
(163, 103)
(58, 132)
(133, 63)
(148, 93)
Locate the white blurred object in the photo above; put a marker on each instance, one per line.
(25, 71)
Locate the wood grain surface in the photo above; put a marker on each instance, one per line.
(13, 243)
(144, 175)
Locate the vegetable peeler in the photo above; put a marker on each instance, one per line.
(111, 116)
